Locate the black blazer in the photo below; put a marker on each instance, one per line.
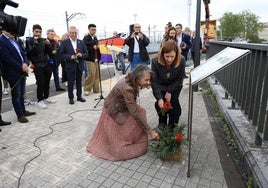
(91, 51)
(161, 82)
(67, 50)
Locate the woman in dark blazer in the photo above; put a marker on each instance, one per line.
(169, 70)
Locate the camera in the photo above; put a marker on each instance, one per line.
(15, 25)
(136, 33)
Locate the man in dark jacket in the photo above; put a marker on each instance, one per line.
(184, 42)
(54, 59)
(92, 80)
(137, 42)
(38, 50)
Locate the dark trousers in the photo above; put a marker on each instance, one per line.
(63, 72)
(56, 76)
(77, 77)
(1, 94)
(17, 95)
(42, 76)
(172, 116)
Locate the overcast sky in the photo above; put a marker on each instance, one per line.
(110, 15)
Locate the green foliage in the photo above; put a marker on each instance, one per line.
(242, 25)
(167, 144)
(250, 183)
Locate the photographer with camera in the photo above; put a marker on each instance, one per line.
(137, 42)
(14, 70)
(38, 50)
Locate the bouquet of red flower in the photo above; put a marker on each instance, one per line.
(167, 107)
(169, 143)
(77, 50)
(56, 45)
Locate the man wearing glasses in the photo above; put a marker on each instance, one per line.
(92, 80)
(74, 51)
(137, 42)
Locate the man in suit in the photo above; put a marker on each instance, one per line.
(184, 42)
(74, 50)
(14, 69)
(193, 52)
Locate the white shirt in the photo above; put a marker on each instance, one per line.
(13, 42)
(74, 44)
(136, 45)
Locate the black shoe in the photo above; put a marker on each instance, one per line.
(4, 123)
(60, 89)
(124, 72)
(81, 99)
(27, 113)
(23, 119)
(71, 101)
(186, 76)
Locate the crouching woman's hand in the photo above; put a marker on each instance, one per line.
(154, 134)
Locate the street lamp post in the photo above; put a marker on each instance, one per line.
(68, 18)
(189, 12)
(135, 16)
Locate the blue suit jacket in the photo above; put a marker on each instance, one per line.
(66, 51)
(186, 39)
(11, 66)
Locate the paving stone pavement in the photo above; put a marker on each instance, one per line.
(53, 148)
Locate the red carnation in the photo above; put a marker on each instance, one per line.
(179, 137)
(167, 105)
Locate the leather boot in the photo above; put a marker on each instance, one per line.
(4, 123)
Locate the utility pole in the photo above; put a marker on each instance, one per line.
(135, 16)
(68, 18)
(189, 12)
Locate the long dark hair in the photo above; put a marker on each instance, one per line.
(137, 74)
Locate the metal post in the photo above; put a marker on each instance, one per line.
(189, 13)
(197, 38)
(67, 22)
(191, 87)
(189, 130)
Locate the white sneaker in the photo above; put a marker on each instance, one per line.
(86, 93)
(41, 104)
(49, 100)
(5, 92)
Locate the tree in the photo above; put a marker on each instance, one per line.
(243, 25)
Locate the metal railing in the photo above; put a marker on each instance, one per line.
(246, 81)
